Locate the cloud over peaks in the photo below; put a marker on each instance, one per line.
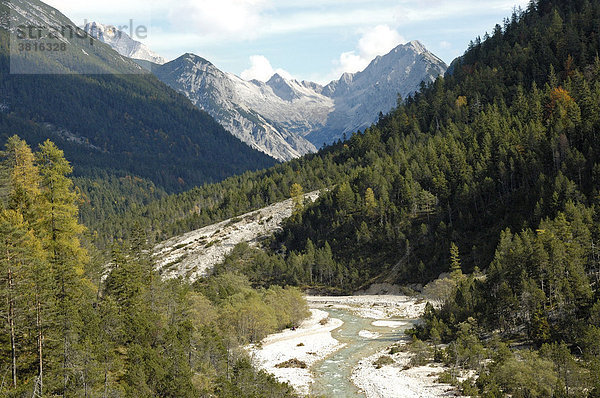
(376, 41)
(261, 69)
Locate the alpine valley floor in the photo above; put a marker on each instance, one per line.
(339, 344)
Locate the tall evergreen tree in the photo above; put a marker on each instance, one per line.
(60, 231)
(22, 183)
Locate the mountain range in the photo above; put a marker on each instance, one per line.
(283, 117)
(264, 115)
(286, 118)
(108, 114)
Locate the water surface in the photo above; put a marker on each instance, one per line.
(332, 375)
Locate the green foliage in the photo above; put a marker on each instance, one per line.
(421, 353)
(119, 124)
(201, 206)
(252, 314)
(297, 195)
(526, 375)
(455, 268)
(384, 360)
(69, 332)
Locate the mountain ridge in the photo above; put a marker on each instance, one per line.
(361, 97)
(122, 43)
(283, 117)
(286, 118)
(237, 104)
(107, 113)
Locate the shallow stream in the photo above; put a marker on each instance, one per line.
(362, 339)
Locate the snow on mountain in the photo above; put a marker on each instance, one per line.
(281, 117)
(80, 54)
(360, 97)
(122, 43)
(286, 118)
(268, 116)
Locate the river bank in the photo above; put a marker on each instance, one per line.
(308, 344)
(336, 357)
(399, 379)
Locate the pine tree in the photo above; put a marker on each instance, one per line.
(455, 266)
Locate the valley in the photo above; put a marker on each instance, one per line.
(168, 229)
(341, 343)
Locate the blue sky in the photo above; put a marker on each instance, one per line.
(306, 39)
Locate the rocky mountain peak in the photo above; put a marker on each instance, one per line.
(122, 42)
(416, 46)
(286, 118)
(283, 88)
(192, 60)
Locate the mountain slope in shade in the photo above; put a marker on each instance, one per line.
(107, 114)
(122, 43)
(268, 116)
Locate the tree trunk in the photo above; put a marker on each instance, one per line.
(40, 343)
(11, 326)
(85, 381)
(105, 394)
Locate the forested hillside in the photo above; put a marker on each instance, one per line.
(67, 331)
(494, 168)
(108, 116)
(491, 172)
(496, 144)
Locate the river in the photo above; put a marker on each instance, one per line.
(332, 375)
(340, 341)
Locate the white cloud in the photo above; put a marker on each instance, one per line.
(351, 62)
(218, 18)
(220, 29)
(445, 45)
(377, 41)
(325, 18)
(261, 69)
(237, 19)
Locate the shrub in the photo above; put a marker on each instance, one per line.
(382, 361)
(292, 363)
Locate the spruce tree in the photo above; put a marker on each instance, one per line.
(455, 266)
